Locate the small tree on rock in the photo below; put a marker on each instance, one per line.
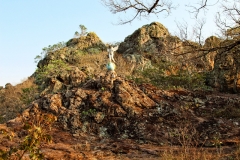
(83, 30)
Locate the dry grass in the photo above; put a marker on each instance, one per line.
(202, 153)
(191, 154)
(192, 148)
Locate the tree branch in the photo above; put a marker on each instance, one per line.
(154, 6)
(141, 8)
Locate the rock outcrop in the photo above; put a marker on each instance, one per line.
(144, 39)
(73, 78)
(88, 42)
(226, 73)
(154, 42)
(111, 107)
(211, 42)
(110, 115)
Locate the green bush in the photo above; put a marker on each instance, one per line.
(93, 50)
(53, 69)
(182, 79)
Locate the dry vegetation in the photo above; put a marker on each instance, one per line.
(14, 99)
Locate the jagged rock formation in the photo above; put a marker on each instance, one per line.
(64, 80)
(114, 114)
(154, 42)
(111, 107)
(65, 67)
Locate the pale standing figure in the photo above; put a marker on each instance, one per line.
(111, 51)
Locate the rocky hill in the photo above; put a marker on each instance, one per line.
(82, 111)
(111, 112)
(117, 108)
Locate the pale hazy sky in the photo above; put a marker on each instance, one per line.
(27, 26)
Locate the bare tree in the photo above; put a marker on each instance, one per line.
(141, 8)
(228, 20)
(191, 35)
(197, 30)
(229, 26)
(201, 5)
(183, 29)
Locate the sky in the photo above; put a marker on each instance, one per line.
(27, 26)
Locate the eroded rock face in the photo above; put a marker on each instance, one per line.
(72, 78)
(226, 73)
(112, 107)
(211, 42)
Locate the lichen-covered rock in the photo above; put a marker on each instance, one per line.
(90, 44)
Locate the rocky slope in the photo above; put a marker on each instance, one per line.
(114, 111)
(117, 108)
